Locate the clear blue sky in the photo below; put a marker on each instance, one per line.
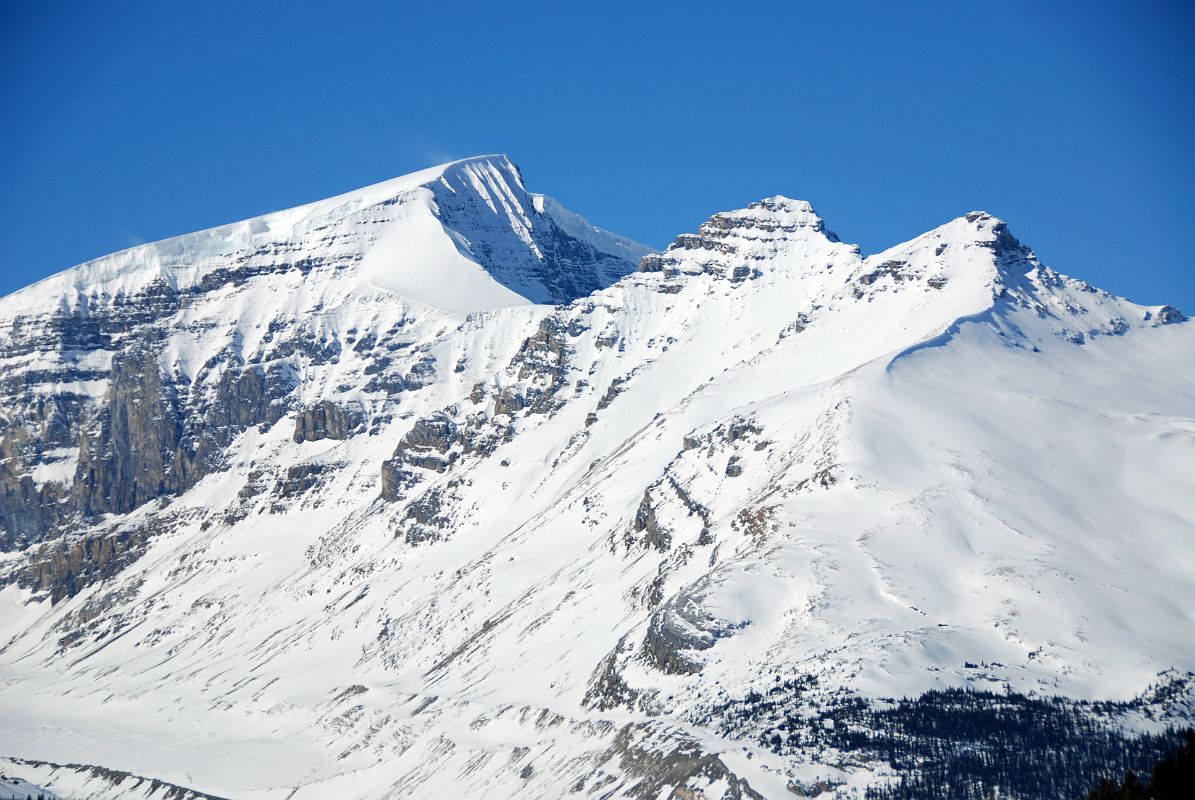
(123, 122)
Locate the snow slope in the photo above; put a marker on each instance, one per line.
(549, 544)
(405, 226)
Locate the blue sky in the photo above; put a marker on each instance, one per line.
(124, 122)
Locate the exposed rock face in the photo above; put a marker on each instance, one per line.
(128, 381)
(1168, 315)
(433, 443)
(427, 518)
(104, 781)
(63, 568)
(721, 240)
(27, 510)
(683, 626)
(542, 364)
(301, 478)
(607, 688)
(254, 395)
(534, 380)
(129, 459)
(327, 420)
(51, 358)
(147, 436)
(686, 764)
(86, 375)
(654, 534)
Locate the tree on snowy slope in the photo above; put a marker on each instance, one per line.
(1173, 778)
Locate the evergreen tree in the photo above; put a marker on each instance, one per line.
(1173, 778)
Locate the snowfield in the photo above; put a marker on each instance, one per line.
(525, 514)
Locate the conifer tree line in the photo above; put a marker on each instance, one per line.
(963, 744)
(1173, 778)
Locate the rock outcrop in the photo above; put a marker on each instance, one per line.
(328, 420)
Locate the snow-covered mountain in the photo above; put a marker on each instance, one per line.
(332, 502)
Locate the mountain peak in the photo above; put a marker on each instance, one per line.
(977, 244)
(1012, 258)
(772, 215)
(480, 168)
(780, 204)
(461, 236)
(762, 228)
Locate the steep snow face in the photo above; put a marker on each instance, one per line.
(535, 550)
(477, 208)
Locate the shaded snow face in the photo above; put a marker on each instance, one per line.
(389, 524)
